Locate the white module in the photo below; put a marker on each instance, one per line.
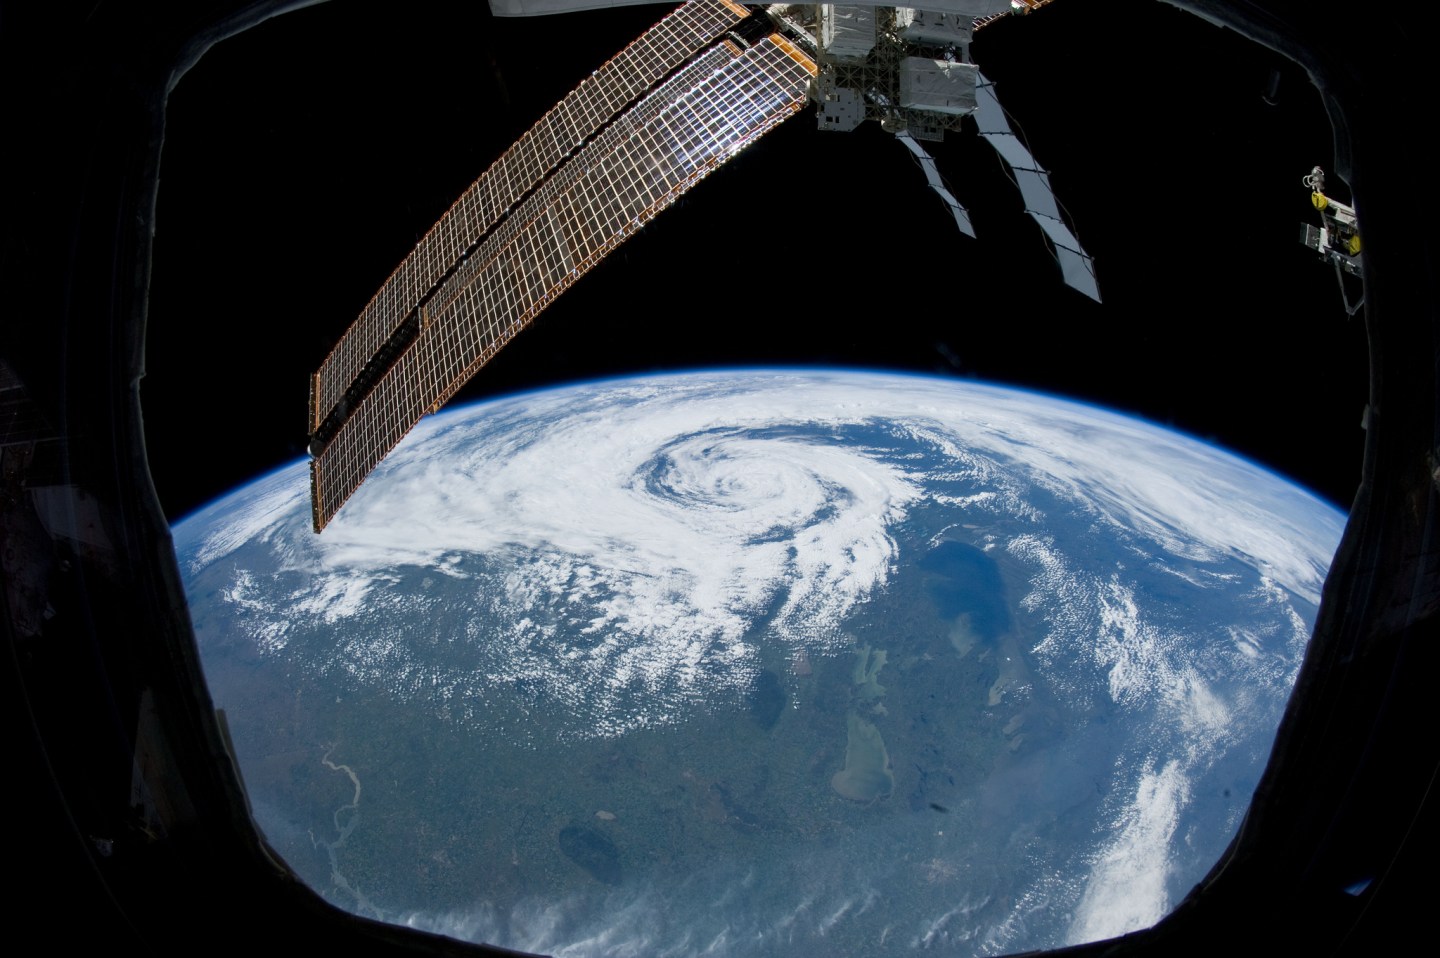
(933, 28)
(847, 31)
(938, 86)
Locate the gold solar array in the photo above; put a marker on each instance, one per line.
(567, 125)
(583, 208)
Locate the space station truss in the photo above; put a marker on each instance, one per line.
(907, 68)
(625, 144)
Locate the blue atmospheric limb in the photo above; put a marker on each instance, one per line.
(576, 665)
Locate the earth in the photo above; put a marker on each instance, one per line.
(762, 662)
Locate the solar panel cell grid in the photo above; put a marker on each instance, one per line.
(595, 100)
(633, 169)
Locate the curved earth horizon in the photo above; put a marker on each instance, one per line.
(762, 662)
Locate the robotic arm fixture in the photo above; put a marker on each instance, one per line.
(1337, 238)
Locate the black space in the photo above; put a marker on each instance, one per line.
(305, 157)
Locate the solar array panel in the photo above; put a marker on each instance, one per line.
(569, 124)
(637, 165)
(937, 182)
(1076, 266)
